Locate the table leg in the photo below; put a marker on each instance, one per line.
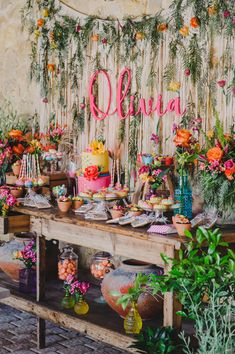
(41, 267)
(171, 305)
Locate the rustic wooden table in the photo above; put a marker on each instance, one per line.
(122, 241)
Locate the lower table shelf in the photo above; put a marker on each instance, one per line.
(101, 322)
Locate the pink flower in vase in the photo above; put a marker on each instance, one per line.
(155, 138)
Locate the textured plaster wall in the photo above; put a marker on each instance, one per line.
(14, 59)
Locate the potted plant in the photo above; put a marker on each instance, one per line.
(64, 204)
(27, 273)
(155, 341)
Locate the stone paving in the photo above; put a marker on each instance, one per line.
(18, 336)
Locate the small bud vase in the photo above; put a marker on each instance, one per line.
(81, 307)
(68, 301)
(133, 321)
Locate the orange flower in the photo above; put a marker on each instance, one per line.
(95, 37)
(195, 22)
(228, 137)
(51, 67)
(229, 173)
(14, 133)
(40, 22)
(162, 27)
(139, 36)
(184, 31)
(18, 149)
(182, 138)
(30, 150)
(214, 154)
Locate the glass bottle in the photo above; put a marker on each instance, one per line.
(133, 321)
(68, 263)
(183, 196)
(81, 307)
(68, 300)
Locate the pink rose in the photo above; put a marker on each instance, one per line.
(187, 72)
(221, 83)
(202, 166)
(229, 164)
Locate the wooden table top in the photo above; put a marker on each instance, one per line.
(140, 233)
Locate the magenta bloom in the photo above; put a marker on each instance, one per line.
(187, 72)
(221, 83)
(143, 169)
(155, 138)
(78, 28)
(227, 13)
(174, 128)
(233, 19)
(229, 164)
(233, 91)
(104, 41)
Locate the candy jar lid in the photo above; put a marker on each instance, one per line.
(101, 255)
(68, 253)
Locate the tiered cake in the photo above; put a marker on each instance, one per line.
(95, 168)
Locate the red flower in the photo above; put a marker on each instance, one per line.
(221, 83)
(91, 173)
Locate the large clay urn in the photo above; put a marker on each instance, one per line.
(122, 278)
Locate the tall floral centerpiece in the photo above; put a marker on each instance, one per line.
(187, 149)
(217, 170)
(27, 274)
(153, 176)
(55, 134)
(7, 201)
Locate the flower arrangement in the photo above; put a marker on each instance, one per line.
(7, 201)
(187, 149)
(28, 255)
(5, 155)
(74, 288)
(55, 133)
(153, 174)
(217, 169)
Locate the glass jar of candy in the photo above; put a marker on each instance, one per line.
(68, 263)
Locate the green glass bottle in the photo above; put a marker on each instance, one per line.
(68, 301)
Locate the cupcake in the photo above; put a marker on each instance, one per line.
(77, 202)
(64, 204)
(110, 196)
(17, 192)
(135, 210)
(146, 205)
(87, 195)
(181, 224)
(99, 196)
(117, 211)
(155, 200)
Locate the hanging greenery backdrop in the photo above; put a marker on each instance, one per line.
(186, 50)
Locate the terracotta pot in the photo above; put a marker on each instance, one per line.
(16, 168)
(181, 228)
(116, 213)
(121, 279)
(17, 192)
(77, 204)
(64, 206)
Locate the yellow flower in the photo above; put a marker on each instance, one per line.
(174, 86)
(144, 177)
(45, 13)
(210, 134)
(212, 10)
(184, 31)
(54, 45)
(97, 147)
(36, 34)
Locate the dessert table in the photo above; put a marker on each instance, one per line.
(117, 240)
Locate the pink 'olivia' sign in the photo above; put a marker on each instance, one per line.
(146, 107)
